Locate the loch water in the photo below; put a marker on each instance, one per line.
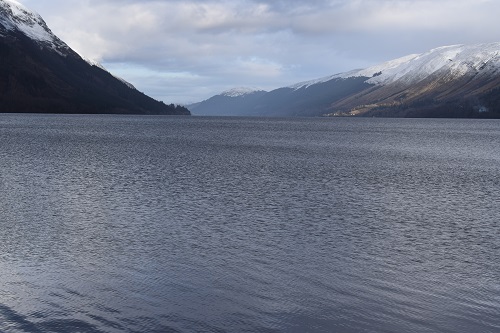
(191, 224)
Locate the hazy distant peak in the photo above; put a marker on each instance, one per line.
(240, 91)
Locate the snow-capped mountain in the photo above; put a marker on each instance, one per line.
(15, 16)
(457, 60)
(456, 77)
(40, 73)
(452, 81)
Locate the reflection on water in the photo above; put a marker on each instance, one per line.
(157, 224)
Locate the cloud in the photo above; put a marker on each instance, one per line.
(206, 46)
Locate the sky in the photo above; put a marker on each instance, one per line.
(185, 51)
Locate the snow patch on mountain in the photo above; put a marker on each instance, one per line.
(307, 84)
(456, 60)
(15, 16)
(128, 84)
(381, 69)
(93, 62)
(241, 91)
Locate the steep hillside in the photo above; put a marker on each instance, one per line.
(451, 81)
(39, 73)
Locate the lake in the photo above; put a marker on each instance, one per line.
(191, 224)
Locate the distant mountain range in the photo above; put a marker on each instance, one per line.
(234, 102)
(39, 73)
(451, 81)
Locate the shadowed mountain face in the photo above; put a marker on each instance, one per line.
(283, 102)
(439, 95)
(227, 104)
(453, 81)
(40, 74)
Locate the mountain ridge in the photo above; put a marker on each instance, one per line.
(449, 81)
(39, 73)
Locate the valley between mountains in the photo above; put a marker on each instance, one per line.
(40, 73)
(459, 81)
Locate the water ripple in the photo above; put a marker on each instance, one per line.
(152, 224)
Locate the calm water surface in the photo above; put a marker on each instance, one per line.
(157, 224)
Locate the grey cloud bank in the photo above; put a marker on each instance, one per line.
(187, 51)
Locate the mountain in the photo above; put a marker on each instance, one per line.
(450, 81)
(227, 103)
(39, 73)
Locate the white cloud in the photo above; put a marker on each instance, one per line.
(218, 44)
